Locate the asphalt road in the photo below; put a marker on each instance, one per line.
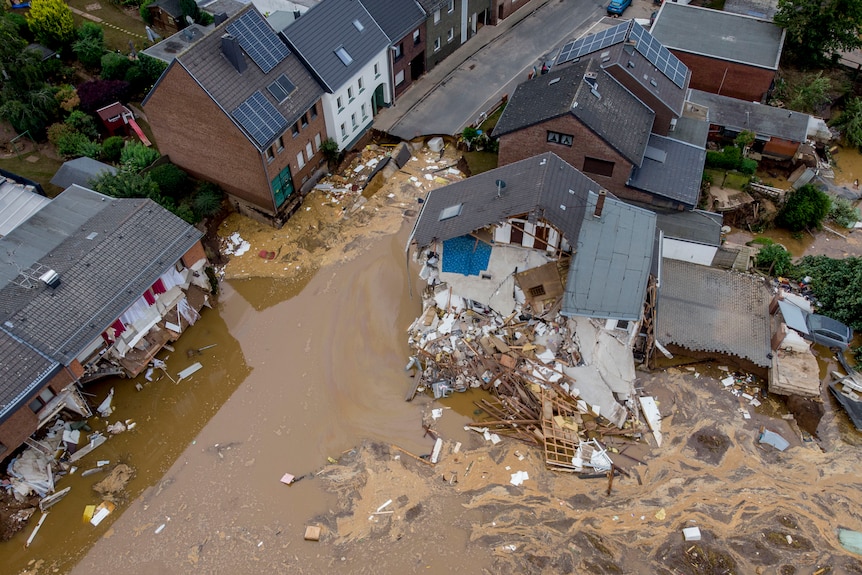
(496, 66)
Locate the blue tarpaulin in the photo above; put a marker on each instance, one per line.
(465, 255)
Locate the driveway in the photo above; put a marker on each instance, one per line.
(491, 64)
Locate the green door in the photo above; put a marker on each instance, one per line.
(282, 187)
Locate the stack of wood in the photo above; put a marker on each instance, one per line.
(519, 360)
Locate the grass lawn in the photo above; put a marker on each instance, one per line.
(41, 170)
(480, 161)
(732, 180)
(120, 26)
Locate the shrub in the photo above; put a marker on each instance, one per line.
(207, 200)
(76, 144)
(136, 156)
(747, 166)
(97, 94)
(83, 123)
(843, 212)
(805, 208)
(112, 148)
(774, 259)
(90, 44)
(146, 16)
(51, 22)
(67, 97)
(125, 184)
(727, 159)
(114, 66)
(850, 122)
(172, 181)
(57, 131)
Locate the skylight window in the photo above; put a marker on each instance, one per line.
(358, 25)
(451, 212)
(342, 54)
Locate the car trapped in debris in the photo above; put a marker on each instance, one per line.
(815, 327)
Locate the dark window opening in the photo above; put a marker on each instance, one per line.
(562, 139)
(537, 291)
(598, 167)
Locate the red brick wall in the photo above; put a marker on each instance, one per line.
(409, 52)
(195, 254)
(21, 424)
(740, 81)
(195, 133)
(293, 144)
(502, 9)
(530, 141)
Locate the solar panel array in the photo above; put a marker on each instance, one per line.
(281, 88)
(593, 43)
(258, 40)
(658, 55)
(259, 118)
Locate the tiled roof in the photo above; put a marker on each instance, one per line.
(329, 26)
(229, 88)
(718, 34)
(616, 249)
(707, 309)
(106, 251)
(23, 370)
(670, 169)
(602, 104)
(761, 119)
(80, 171)
(396, 18)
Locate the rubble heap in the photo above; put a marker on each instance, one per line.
(528, 364)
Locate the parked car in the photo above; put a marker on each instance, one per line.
(827, 331)
(617, 7)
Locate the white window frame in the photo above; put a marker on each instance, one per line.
(343, 131)
(353, 121)
(364, 111)
(339, 103)
(300, 161)
(360, 85)
(309, 151)
(350, 97)
(376, 70)
(437, 44)
(399, 78)
(451, 7)
(317, 141)
(436, 16)
(450, 35)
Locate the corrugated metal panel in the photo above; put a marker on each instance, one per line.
(17, 203)
(793, 316)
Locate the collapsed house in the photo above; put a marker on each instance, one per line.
(89, 286)
(536, 284)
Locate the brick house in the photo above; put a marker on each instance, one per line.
(241, 88)
(636, 60)
(403, 22)
(728, 54)
(166, 15)
(89, 286)
(583, 114)
(450, 24)
(502, 9)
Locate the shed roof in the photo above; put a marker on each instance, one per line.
(616, 249)
(590, 94)
(761, 119)
(397, 18)
(17, 203)
(328, 27)
(717, 34)
(707, 309)
(693, 225)
(107, 252)
(229, 88)
(80, 171)
(670, 169)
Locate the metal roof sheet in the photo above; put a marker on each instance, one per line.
(670, 169)
(17, 203)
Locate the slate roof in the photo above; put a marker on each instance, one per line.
(670, 169)
(567, 91)
(691, 130)
(718, 34)
(761, 119)
(228, 88)
(711, 310)
(80, 171)
(329, 26)
(692, 225)
(107, 252)
(17, 203)
(397, 18)
(616, 249)
(23, 371)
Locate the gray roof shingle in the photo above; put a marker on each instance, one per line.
(761, 119)
(707, 309)
(396, 18)
(601, 109)
(616, 249)
(228, 88)
(107, 252)
(717, 34)
(329, 26)
(695, 225)
(23, 371)
(670, 169)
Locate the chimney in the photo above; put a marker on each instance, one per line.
(230, 48)
(219, 18)
(600, 204)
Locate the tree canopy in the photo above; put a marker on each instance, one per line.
(807, 207)
(51, 22)
(818, 28)
(837, 286)
(850, 122)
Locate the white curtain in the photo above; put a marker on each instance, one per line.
(187, 312)
(172, 278)
(136, 311)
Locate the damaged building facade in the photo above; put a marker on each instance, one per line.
(537, 281)
(89, 286)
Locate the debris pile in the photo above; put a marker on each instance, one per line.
(554, 381)
(744, 386)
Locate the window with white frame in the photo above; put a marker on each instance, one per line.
(317, 141)
(280, 143)
(343, 131)
(308, 150)
(437, 43)
(339, 103)
(376, 70)
(270, 155)
(436, 16)
(300, 161)
(450, 35)
(451, 7)
(349, 94)
(399, 78)
(353, 120)
(416, 36)
(361, 85)
(364, 113)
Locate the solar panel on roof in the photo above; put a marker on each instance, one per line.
(258, 40)
(259, 118)
(658, 55)
(281, 88)
(593, 43)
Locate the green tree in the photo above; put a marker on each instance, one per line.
(850, 122)
(810, 94)
(807, 207)
(818, 28)
(51, 22)
(136, 156)
(189, 8)
(126, 184)
(329, 148)
(75, 144)
(774, 260)
(172, 181)
(837, 286)
(114, 66)
(90, 45)
(84, 123)
(843, 212)
(31, 112)
(112, 148)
